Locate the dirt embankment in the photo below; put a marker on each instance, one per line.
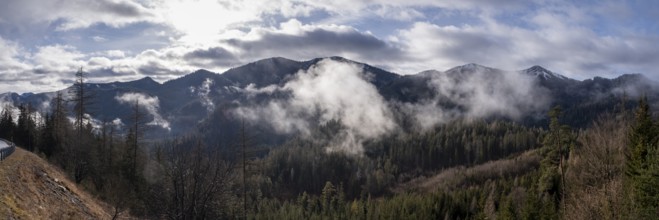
(31, 188)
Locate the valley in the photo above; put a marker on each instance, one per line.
(335, 138)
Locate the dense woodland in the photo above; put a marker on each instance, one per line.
(608, 170)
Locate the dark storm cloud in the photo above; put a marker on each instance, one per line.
(217, 56)
(209, 53)
(107, 72)
(318, 43)
(123, 8)
(470, 47)
(35, 15)
(155, 68)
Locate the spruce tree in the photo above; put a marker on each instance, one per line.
(640, 140)
(557, 144)
(642, 166)
(6, 123)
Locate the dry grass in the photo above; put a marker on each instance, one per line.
(31, 188)
(456, 177)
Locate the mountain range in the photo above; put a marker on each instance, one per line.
(202, 99)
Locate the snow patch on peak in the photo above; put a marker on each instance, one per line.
(471, 67)
(539, 71)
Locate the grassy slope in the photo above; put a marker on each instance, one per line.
(460, 176)
(31, 188)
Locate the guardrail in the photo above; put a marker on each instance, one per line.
(5, 152)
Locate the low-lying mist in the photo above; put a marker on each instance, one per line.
(329, 90)
(477, 94)
(341, 91)
(148, 103)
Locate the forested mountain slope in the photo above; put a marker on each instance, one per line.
(177, 106)
(334, 138)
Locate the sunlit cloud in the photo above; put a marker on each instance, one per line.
(129, 39)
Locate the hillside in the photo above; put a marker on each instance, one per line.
(458, 177)
(181, 105)
(337, 139)
(34, 189)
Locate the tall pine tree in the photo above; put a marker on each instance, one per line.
(642, 166)
(6, 123)
(557, 144)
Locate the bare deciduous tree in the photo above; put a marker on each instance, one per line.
(596, 170)
(195, 183)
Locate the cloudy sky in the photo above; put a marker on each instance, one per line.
(43, 42)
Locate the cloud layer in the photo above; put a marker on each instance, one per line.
(147, 103)
(342, 92)
(330, 91)
(202, 91)
(475, 92)
(43, 43)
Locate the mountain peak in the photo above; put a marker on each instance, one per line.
(146, 83)
(538, 68)
(339, 58)
(193, 78)
(274, 60)
(543, 73)
(147, 79)
(263, 72)
(202, 72)
(267, 63)
(27, 94)
(470, 68)
(472, 65)
(633, 75)
(334, 58)
(633, 78)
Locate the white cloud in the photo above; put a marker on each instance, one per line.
(99, 39)
(31, 83)
(150, 104)
(10, 57)
(404, 36)
(399, 13)
(329, 90)
(339, 91)
(57, 58)
(475, 92)
(298, 41)
(251, 90)
(55, 64)
(202, 92)
(99, 61)
(572, 50)
(17, 67)
(115, 53)
(75, 14)
(7, 104)
(117, 123)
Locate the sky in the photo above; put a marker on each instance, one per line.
(44, 42)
